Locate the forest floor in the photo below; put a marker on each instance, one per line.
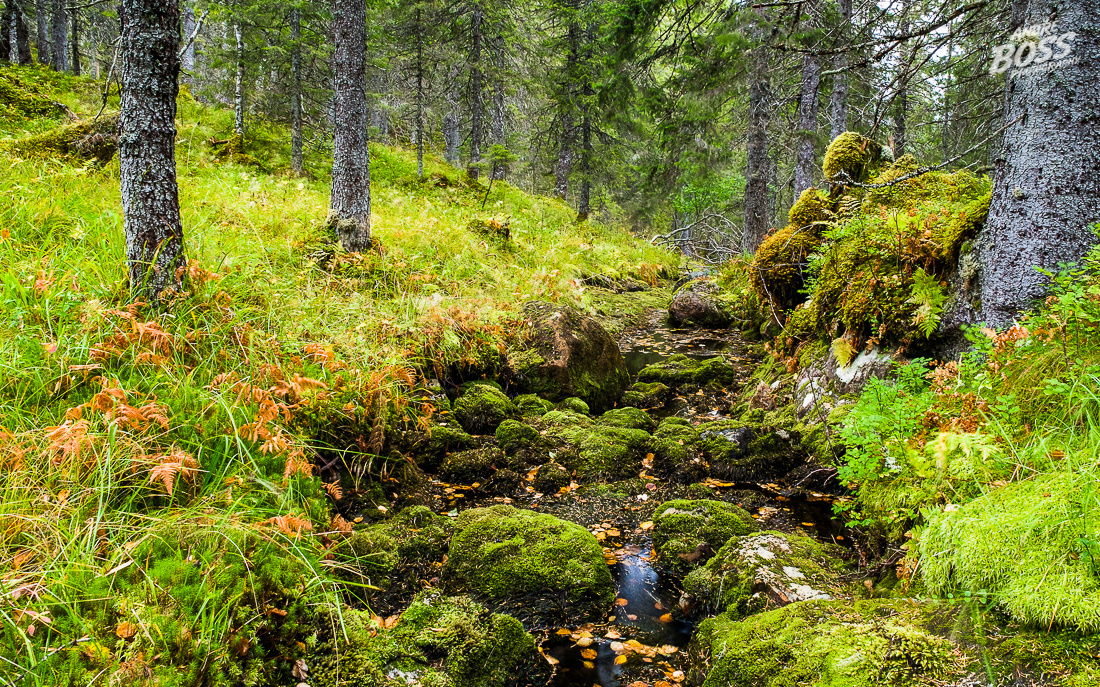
(304, 468)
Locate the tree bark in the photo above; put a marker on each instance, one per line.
(419, 94)
(807, 124)
(350, 209)
(1046, 190)
(757, 212)
(41, 19)
(499, 128)
(15, 46)
(452, 137)
(75, 23)
(147, 145)
(901, 100)
(296, 91)
(238, 93)
(188, 60)
(838, 106)
(59, 25)
(477, 100)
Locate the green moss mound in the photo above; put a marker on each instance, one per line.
(90, 140)
(646, 395)
(431, 447)
(475, 465)
(22, 100)
(850, 154)
(574, 405)
(680, 527)
(531, 405)
(1031, 544)
(513, 435)
(482, 407)
(598, 452)
(676, 454)
(747, 451)
(679, 370)
(509, 555)
(550, 478)
(810, 208)
(402, 546)
(778, 265)
(439, 641)
(630, 418)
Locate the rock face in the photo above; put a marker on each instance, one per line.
(569, 354)
(765, 570)
(697, 304)
(686, 533)
(533, 564)
(818, 385)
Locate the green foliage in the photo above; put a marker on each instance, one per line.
(928, 296)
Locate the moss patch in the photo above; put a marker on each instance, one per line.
(850, 154)
(95, 140)
(680, 527)
(482, 407)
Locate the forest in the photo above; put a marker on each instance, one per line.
(572, 343)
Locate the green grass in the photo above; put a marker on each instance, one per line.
(278, 333)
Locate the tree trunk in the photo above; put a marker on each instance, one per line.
(41, 19)
(807, 124)
(188, 60)
(350, 209)
(147, 145)
(584, 197)
(296, 91)
(499, 128)
(901, 100)
(757, 212)
(838, 107)
(419, 94)
(59, 24)
(238, 93)
(477, 106)
(76, 41)
(1046, 189)
(452, 137)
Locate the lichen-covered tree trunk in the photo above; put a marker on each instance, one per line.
(564, 165)
(452, 137)
(419, 94)
(238, 82)
(350, 208)
(838, 105)
(59, 29)
(148, 73)
(75, 24)
(757, 211)
(477, 97)
(188, 59)
(499, 128)
(901, 100)
(807, 124)
(41, 20)
(296, 91)
(1046, 189)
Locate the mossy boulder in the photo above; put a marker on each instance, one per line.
(482, 407)
(698, 303)
(630, 418)
(531, 405)
(568, 354)
(551, 477)
(679, 370)
(513, 435)
(850, 157)
(676, 452)
(766, 570)
(746, 452)
(20, 98)
(475, 465)
(685, 531)
(594, 451)
(811, 208)
(83, 141)
(431, 447)
(777, 274)
(442, 641)
(382, 554)
(532, 562)
(646, 395)
(575, 405)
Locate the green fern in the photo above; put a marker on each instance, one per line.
(929, 297)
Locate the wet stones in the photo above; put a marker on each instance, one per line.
(698, 304)
(679, 370)
(748, 452)
(686, 533)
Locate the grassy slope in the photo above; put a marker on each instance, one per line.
(168, 444)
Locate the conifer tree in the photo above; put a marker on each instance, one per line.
(349, 216)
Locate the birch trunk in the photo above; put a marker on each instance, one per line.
(147, 144)
(238, 94)
(350, 210)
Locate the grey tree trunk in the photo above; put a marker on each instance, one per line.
(477, 97)
(238, 93)
(452, 137)
(15, 45)
(419, 94)
(757, 211)
(838, 105)
(59, 29)
(350, 209)
(296, 91)
(1046, 190)
(499, 128)
(147, 145)
(901, 100)
(807, 124)
(41, 19)
(188, 60)
(75, 23)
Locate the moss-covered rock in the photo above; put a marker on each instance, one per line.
(513, 435)
(431, 447)
(685, 532)
(698, 303)
(676, 452)
(810, 208)
(550, 478)
(574, 405)
(78, 142)
(679, 370)
(382, 554)
(850, 157)
(568, 354)
(599, 451)
(439, 641)
(475, 465)
(779, 263)
(531, 405)
(646, 395)
(766, 570)
(743, 451)
(534, 561)
(482, 407)
(631, 418)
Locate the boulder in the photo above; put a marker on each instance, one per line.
(600, 452)
(630, 418)
(679, 370)
(513, 436)
(646, 395)
(745, 452)
(531, 405)
(676, 452)
(431, 447)
(568, 354)
(534, 564)
(550, 478)
(697, 303)
(482, 407)
(686, 533)
(475, 465)
(766, 570)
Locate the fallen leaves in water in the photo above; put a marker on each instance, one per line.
(590, 654)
